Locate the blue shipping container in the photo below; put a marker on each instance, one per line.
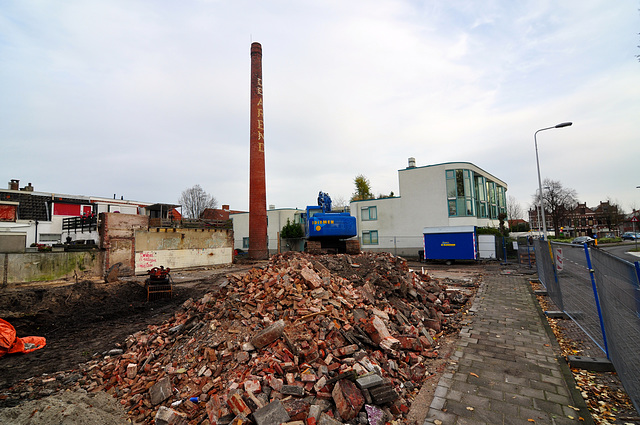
(450, 243)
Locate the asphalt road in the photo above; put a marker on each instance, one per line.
(622, 250)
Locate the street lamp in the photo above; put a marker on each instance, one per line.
(544, 221)
(635, 235)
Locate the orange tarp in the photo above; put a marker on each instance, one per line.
(10, 343)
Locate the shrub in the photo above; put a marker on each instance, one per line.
(489, 231)
(291, 231)
(609, 240)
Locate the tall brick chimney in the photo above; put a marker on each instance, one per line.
(258, 249)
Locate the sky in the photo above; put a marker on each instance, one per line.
(144, 99)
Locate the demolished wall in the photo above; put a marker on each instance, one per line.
(44, 266)
(182, 248)
(129, 240)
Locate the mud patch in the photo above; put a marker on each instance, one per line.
(80, 321)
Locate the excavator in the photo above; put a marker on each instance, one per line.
(327, 231)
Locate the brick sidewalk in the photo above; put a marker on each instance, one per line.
(505, 369)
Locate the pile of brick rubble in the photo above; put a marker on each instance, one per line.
(304, 340)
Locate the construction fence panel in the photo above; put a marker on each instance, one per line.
(505, 248)
(578, 297)
(547, 272)
(526, 251)
(619, 295)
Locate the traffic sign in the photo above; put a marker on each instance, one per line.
(634, 220)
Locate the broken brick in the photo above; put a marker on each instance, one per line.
(296, 408)
(268, 335)
(237, 405)
(348, 398)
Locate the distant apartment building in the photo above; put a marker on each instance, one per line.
(581, 220)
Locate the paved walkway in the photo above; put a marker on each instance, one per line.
(505, 368)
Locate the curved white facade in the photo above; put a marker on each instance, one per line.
(427, 199)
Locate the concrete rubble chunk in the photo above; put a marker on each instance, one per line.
(314, 411)
(383, 394)
(160, 391)
(369, 381)
(167, 416)
(273, 413)
(292, 390)
(328, 420)
(132, 370)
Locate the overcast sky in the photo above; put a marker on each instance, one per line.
(144, 99)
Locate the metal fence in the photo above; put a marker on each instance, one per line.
(547, 272)
(526, 251)
(601, 293)
(619, 293)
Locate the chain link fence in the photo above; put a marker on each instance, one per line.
(601, 293)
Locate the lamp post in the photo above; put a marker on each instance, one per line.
(635, 235)
(544, 221)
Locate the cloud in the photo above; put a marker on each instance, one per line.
(147, 99)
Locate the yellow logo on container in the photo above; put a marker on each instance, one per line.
(447, 244)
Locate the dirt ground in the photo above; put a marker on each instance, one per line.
(86, 319)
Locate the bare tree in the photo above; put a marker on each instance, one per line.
(514, 209)
(195, 200)
(339, 203)
(557, 200)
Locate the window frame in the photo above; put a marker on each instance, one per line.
(367, 238)
(371, 213)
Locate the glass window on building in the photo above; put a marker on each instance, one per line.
(245, 243)
(501, 199)
(491, 197)
(452, 191)
(480, 185)
(370, 237)
(460, 193)
(369, 213)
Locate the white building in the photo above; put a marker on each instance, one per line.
(440, 195)
(276, 220)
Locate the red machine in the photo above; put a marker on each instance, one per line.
(159, 283)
